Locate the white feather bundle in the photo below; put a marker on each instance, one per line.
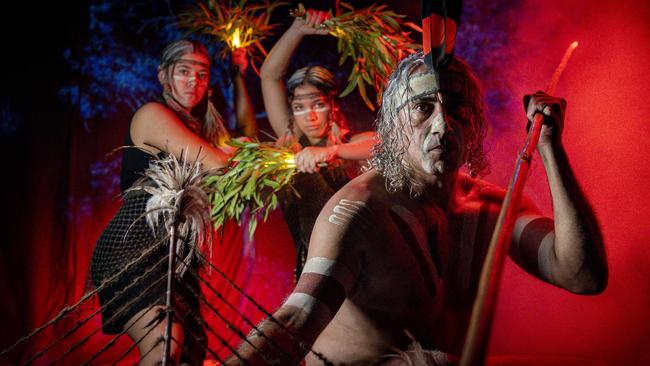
(415, 355)
(178, 199)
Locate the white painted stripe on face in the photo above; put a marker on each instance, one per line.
(419, 85)
(309, 110)
(330, 268)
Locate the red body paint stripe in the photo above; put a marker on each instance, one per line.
(324, 288)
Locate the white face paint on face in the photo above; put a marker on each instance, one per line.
(311, 112)
(190, 79)
(435, 139)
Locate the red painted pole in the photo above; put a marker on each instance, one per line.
(478, 333)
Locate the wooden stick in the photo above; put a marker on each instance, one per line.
(169, 297)
(478, 333)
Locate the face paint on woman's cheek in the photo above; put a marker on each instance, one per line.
(180, 78)
(179, 83)
(309, 110)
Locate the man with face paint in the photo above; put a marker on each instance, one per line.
(395, 255)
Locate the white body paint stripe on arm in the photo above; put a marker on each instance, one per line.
(345, 211)
(314, 308)
(331, 268)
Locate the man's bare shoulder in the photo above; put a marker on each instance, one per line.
(368, 188)
(352, 210)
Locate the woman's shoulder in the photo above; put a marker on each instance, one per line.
(152, 112)
(151, 120)
(152, 107)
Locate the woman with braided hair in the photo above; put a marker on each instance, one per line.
(304, 114)
(184, 121)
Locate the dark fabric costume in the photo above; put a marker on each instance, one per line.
(315, 190)
(128, 291)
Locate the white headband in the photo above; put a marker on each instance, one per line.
(418, 86)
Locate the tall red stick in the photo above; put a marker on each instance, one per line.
(478, 333)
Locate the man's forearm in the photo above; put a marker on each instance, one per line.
(272, 342)
(578, 261)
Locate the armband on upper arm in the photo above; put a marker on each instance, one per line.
(321, 289)
(533, 238)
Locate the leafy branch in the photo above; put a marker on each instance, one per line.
(374, 39)
(258, 171)
(232, 22)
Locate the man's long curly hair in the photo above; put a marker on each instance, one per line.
(462, 100)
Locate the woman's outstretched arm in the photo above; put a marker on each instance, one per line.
(275, 66)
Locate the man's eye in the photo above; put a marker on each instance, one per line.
(297, 108)
(203, 76)
(423, 107)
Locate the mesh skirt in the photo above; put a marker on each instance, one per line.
(131, 263)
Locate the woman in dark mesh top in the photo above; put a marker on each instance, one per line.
(184, 120)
